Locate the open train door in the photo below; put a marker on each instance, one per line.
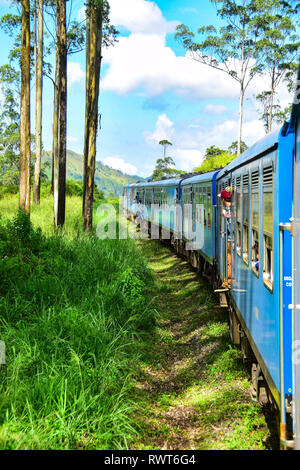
(295, 121)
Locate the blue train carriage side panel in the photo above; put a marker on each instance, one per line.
(295, 129)
(198, 199)
(285, 201)
(259, 206)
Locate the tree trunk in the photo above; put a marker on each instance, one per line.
(92, 83)
(55, 121)
(239, 142)
(24, 198)
(60, 164)
(87, 110)
(39, 92)
(271, 99)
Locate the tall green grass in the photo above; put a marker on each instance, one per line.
(71, 310)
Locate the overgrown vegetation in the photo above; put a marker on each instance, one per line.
(72, 309)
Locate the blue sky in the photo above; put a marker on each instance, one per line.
(151, 91)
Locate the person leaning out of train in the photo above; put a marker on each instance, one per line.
(226, 195)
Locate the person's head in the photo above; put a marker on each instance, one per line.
(256, 250)
(226, 196)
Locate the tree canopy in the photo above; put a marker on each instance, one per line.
(164, 168)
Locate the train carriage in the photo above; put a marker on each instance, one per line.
(198, 204)
(261, 275)
(295, 227)
(155, 202)
(255, 257)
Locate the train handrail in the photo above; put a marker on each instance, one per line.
(284, 442)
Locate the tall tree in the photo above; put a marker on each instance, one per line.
(75, 43)
(98, 32)
(164, 168)
(229, 49)
(277, 49)
(10, 125)
(215, 158)
(60, 157)
(25, 153)
(165, 143)
(276, 114)
(38, 102)
(94, 24)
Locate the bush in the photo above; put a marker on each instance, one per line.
(8, 190)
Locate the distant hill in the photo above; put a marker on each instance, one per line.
(107, 179)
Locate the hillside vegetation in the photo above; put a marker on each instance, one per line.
(107, 179)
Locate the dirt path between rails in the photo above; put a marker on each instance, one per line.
(192, 386)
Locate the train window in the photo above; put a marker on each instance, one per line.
(246, 218)
(255, 221)
(200, 208)
(204, 206)
(232, 215)
(220, 209)
(208, 207)
(268, 226)
(238, 214)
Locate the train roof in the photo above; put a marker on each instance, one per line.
(184, 179)
(209, 176)
(263, 145)
(165, 182)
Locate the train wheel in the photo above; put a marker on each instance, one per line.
(245, 348)
(234, 328)
(259, 388)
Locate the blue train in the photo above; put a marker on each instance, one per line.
(249, 249)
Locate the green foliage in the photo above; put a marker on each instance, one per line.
(278, 115)
(71, 311)
(9, 126)
(277, 49)
(164, 169)
(235, 40)
(107, 179)
(234, 146)
(109, 32)
(214, 159)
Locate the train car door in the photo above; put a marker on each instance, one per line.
(296, 247)
(221, 239)
(225, 221)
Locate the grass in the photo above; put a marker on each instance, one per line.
(193, 383)
(72, 310)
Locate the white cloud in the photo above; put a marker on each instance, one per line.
(118, 163)
(75, 73)
(187, 159)
(215, 109)
(81, 15)
(163, 131)
(190, 142)
(72, 140)
(144, 61)
(140, 16)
